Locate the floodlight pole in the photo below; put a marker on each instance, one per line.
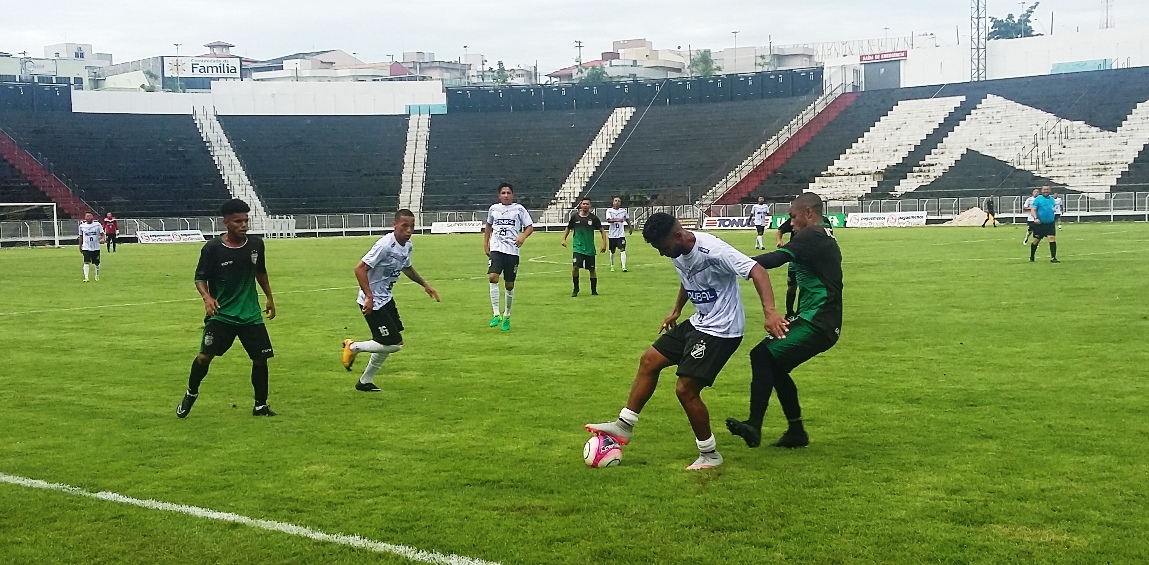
(978, 40)
(735, 69)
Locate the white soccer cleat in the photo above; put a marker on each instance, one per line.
(706, 461)
(615, 430)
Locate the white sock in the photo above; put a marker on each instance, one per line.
(612, 258)
(707, 446)
(374, 347)
(510, 297)
(758, 241)
(85, 271)
(373, 367)
(495, 298)
(628, 416)
(623, 255)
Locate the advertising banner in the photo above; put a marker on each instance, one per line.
(202, 67)
(888, 56)
(836, 220)
(457, 227)
(179, 236)
(886, 220)
(726, 223)
(38, 66)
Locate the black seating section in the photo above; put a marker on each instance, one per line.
(321, 164)
(14, 187)
(129, 164)
(469, 154)
(1136, 179)
(676, 153)
(1103, 99)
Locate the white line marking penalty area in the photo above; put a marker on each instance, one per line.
(407, 552)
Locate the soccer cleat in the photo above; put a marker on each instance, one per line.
(594, 293)
(615, 430)
(348, 354)
(507, 324)
(495, 321)
(624, 269)
(706, 461)
(1026, 240)
(262, 410)
(366, 387)
(97, 278)
(751, 435)
(574, 293)
(1054, 260)
(185, 406)
(612, 268)
(85, 280)
(1031, 259)
(793, 439)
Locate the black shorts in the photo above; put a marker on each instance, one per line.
(761, 229)
(583, 261)
(503, 264)
(698, 355)
(91, 256)
(791, 278)
(1044, 230)
(386, 325)
(1029, 226)
(618, 243)
(802, 342)
(218, 337)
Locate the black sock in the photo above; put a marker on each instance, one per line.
(259, 383)
(575, 281)
(1033, 249)
(198, 372)
(593, 285)
(762, 383)
(1053, 249)
(791, 296)
(788, 398)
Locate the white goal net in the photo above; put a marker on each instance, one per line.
(30, 224)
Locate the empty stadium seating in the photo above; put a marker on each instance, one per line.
(997, 122)
(680, 152)
(321, 164)
(133, 165)
(14, 187)
(469, 154)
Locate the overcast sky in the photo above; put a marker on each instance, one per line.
(515, 31)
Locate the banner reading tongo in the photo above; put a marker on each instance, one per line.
(457, 227)
(179, 236)
(720, 223)
(886, 220)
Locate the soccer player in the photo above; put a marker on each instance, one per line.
(990, 213)
(508, 227)
(619, 220)
(1027, 207)
(229, 268)
(377, 273)
(91, 238)
(584, 224)
(787, 227)
(1057, 208)
(708, 269)
(111, 229)
(761, 213)
(1044, 215)
(816, 260)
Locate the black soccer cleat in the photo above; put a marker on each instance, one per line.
(262, 410)
(751, 435)
(574, 293)
(1054, 260)
(792, 439)
(185, 406)
(594, 293)
(366, 387)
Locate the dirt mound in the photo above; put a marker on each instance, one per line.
(972, 217)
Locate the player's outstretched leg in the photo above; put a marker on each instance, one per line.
(348, 354)
(761, 386)
(185, 405)
(199, 369)
(645, 381)
(795, 435)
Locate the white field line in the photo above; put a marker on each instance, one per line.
(270, 525)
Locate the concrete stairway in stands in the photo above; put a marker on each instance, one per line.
(415, 164)
(230, 168)
(572, 188)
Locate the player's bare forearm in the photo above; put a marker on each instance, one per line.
(487, 239)
(761, 279)
(680, 301)
(414, 276)
(361, 278)
(530, 229)
(566, 232)
(269, 302)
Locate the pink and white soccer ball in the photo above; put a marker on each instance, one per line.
(602, 451)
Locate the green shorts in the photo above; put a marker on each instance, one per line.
(801, 343)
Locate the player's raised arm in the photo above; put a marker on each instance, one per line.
(414, 276)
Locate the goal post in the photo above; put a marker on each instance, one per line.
(29, 223)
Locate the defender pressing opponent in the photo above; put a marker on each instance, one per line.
(91, 237)
(508, 227)
(1045, 216)
(761, 213)
(584, 224)
(377, 273)
(816, 262)
(708, 269)
(229, 268)
(619, 221)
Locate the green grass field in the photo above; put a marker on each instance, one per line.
(978, 408)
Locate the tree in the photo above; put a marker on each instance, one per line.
(594, 75)
(764, 62)
(501, 74)
(703, 65)
(1010, 28)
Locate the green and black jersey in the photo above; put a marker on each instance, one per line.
(584, 228)
(816, 262)
(230, 275)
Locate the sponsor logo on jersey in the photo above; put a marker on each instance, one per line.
(504, 221)
(226, 263)
(698, 350)
(704, 296)
(254, 257)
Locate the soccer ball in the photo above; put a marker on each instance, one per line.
(602, 451)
